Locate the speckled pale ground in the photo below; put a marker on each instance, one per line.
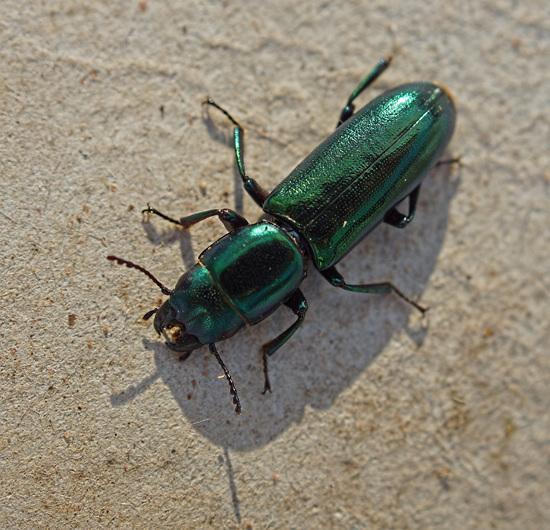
(378, 419)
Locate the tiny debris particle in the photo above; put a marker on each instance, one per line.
(509, 428)
(72, 319)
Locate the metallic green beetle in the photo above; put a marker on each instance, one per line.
(347, 186)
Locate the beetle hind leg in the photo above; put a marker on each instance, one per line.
(336, 279)
(297, 303)
(348, 110)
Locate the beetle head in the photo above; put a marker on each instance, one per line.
(170, 322)
(196, 312)
(194, 315)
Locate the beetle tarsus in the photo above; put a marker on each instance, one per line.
(456, 160)
(348, 110)
(150, 210)
(267, 384)
(336, 279)
(232, 389)
(251, 186)
(209, 101)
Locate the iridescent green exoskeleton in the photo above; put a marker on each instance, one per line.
(349, 184)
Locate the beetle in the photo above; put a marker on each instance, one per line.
(348, 185)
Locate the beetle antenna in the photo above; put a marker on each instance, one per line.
(232, 389)
(131, 265)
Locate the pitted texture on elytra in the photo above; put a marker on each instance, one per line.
(343, 189)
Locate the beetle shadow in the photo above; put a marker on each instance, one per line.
(170, 236)
(343, 333)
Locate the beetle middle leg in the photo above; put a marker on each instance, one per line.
(347, 111)
(336, 279)
(251, 186)
(230, 219)
(297, 303)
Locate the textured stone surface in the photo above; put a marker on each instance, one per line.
(378, 418)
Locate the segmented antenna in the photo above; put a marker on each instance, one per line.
(131, 265)
(232, 389)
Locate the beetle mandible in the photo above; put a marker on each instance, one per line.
(349, 184)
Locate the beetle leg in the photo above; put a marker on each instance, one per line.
(230, 219)
(455, 160)
(347, 111)
(298, 304)
(395, 218)
(336, 279)
(232, 388)
(251, 186)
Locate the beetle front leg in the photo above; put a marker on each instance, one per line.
(298, 304)
(336, 279)
(250, 185)
(347, 111)
(395, 218)
(230, 219)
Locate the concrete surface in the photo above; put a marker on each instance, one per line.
(379, 418)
